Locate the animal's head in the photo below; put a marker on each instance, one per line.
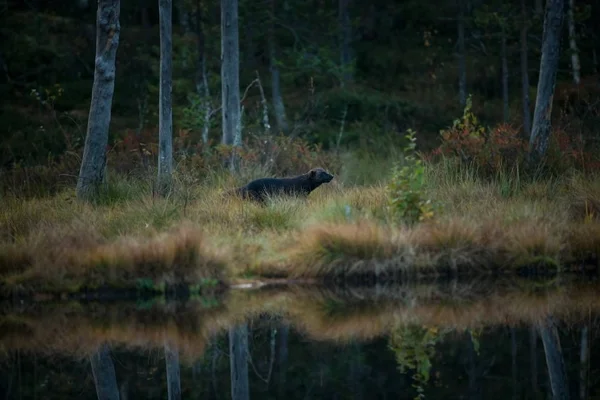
(320, 175)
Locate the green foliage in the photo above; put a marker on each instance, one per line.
(407, 187)
(414, 348)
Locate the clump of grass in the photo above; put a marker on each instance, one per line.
(83, 259)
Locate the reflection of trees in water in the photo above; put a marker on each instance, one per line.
(103, 371)
(345, 347)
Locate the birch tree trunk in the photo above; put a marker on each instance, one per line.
(540, 133)
(505, 100)
(173, 375)
(554, 358)
(165, 116)
(525, 71)
(91, 173)
(230, 80)
(278, 105)
(238, 361)
(575, 65)
(103, 371)
(462, 67)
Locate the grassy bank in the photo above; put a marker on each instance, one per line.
(342, 231)
(322, 314)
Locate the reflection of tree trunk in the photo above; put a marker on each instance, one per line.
(539, 7)
(238, 361)
(278, 105)
(525, 71)
(554, 358)
(355, 374)
(103, 371)
(462, 67)
(584, 359)
(513, 352)
(474, 390)
(282, 359)
(504, 76)
(173, 376)
(533, 357)
(575, 66)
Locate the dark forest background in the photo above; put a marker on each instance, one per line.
(403, 71)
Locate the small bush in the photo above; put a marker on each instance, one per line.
(407, 187)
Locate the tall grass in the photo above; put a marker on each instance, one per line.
(343, 229)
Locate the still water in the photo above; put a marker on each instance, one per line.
(476, 340)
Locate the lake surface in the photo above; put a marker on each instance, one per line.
(475, 340)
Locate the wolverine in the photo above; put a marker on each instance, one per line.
(301, 185)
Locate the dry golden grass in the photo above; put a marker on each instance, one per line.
(59, 261)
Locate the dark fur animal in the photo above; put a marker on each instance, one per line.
(301, 185)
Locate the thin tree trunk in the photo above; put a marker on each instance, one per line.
(462, 65)
(238, 360)
(525, 71)
(345, 39)
(230, 80)
(173, 375)
(278, 105)
(505, 100)
(540, 133)
(201, 75)
(103, 371)
(91, 173)
(584, 359)
(165, 116)
(554, 358)
(575, 65)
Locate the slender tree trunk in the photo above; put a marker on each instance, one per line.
(554, 358)
(584, 359)
(103, 371)
(230, 79)
(173, 375)
(238, 360)
(165, 116)
(540, 132)
(525, 71)
(201, 75)
(505, 100)
(575, 65)
(462, 65)
(278, 105)
(345, 39)
(91, 173)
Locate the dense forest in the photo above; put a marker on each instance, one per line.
(340, 75)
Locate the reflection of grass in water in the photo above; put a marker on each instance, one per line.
(321, 313)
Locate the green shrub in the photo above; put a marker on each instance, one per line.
(407, 186)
